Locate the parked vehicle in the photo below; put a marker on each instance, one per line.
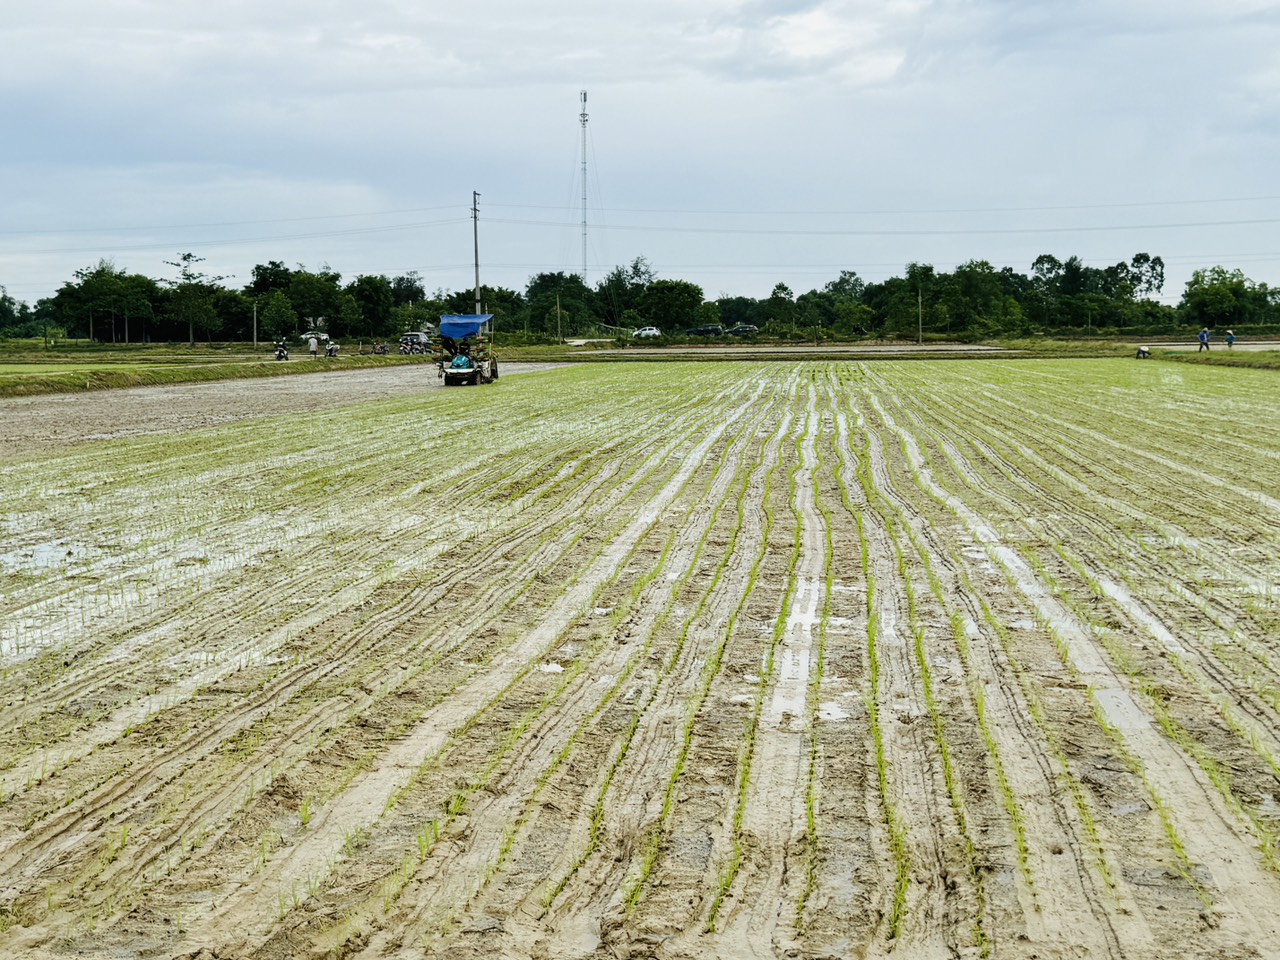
(743, 330)
(318, 334)
(282, 350)
(707, 330)
(647, 332)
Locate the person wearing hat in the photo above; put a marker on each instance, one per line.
(1231, 339)
(1204, 339)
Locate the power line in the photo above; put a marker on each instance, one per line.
(227, 223)
(979, 231)
(243, 240)
(908, 211)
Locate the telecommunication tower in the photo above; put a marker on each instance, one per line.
(583, 118)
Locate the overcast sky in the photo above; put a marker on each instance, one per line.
(733, 144)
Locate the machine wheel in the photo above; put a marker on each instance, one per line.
(475, 378)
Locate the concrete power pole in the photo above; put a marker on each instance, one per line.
(475, 234)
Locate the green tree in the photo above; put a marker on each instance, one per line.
(407, 288)
(1217, 296)
(738, 310)
(374, 296)
(848, 287)
(671, 304)
(559, 301)
(268, 277)
(347, 320)
(779, 311)
(1147, 273)
(315, 296)
(191, 303)
(622, 289)
(277, 317)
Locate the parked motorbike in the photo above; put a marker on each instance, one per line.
(282, 350)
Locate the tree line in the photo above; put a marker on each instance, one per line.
(974, 301)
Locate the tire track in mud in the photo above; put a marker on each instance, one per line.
(1191, 666)
(559, 742)
(466, 528)
(638, 765)
(1214, 841)
(358, 591)
(638, 867)
(1125, 623)
(754, 910)
(1033, 774)
(919, 818)
(274, 695)
(247, 913)
(581, 798)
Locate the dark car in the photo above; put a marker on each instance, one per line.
(707, 330)
(743, 330)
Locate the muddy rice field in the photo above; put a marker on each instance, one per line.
(926, 659)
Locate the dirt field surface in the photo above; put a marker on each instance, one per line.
(37, 423)
(922, 659)
(740, 351)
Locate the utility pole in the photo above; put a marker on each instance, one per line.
(475, 233)
(255, 325)
(583, 118)
(919, 316)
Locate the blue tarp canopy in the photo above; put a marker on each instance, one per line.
(460, 326)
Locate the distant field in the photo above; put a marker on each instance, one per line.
(36, 369)
(922, 659)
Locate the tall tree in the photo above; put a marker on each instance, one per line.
(374, 296)
(1147, 274)
(407, 288)
(192, 300)
(278, 318)
(269, 276)
(671, 304)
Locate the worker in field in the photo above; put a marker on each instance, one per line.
(313, 344)
(1231, 339)
(1204, 339)
(1144, 352)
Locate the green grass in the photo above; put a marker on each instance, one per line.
(1254, 360)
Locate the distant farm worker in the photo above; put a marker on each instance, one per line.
(1144, 352)
(1231, 339)
(313, 344)
(1204, 339)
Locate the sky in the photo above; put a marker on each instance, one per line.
(733, 144)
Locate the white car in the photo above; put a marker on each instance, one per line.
(647, 332)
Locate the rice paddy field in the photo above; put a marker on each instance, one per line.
(933, 658)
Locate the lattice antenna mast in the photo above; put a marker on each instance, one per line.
(583, 118)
